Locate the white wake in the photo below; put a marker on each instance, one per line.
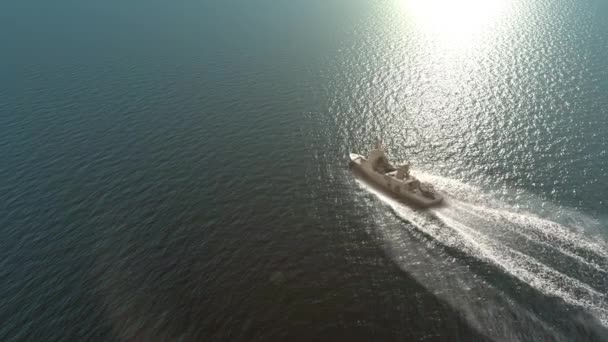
(545, 254)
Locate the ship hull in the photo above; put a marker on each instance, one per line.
(395, 187)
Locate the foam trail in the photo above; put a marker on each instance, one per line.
(571, 237)
(546, 228)
(451, 279)
(544, 232)
(488, 229)
(530, 270)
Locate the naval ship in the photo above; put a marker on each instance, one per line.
(396, 180)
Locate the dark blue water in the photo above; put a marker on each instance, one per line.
(177, 171)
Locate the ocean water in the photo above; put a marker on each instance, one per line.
(178, 171)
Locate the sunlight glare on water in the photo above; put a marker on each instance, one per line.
(456, 24)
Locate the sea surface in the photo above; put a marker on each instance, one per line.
(178, 170)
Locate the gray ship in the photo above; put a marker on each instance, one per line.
(395, 180)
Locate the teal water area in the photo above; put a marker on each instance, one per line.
(178, 171)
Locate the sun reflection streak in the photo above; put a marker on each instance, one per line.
(455, 24)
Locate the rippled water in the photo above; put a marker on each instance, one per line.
(178, 171)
